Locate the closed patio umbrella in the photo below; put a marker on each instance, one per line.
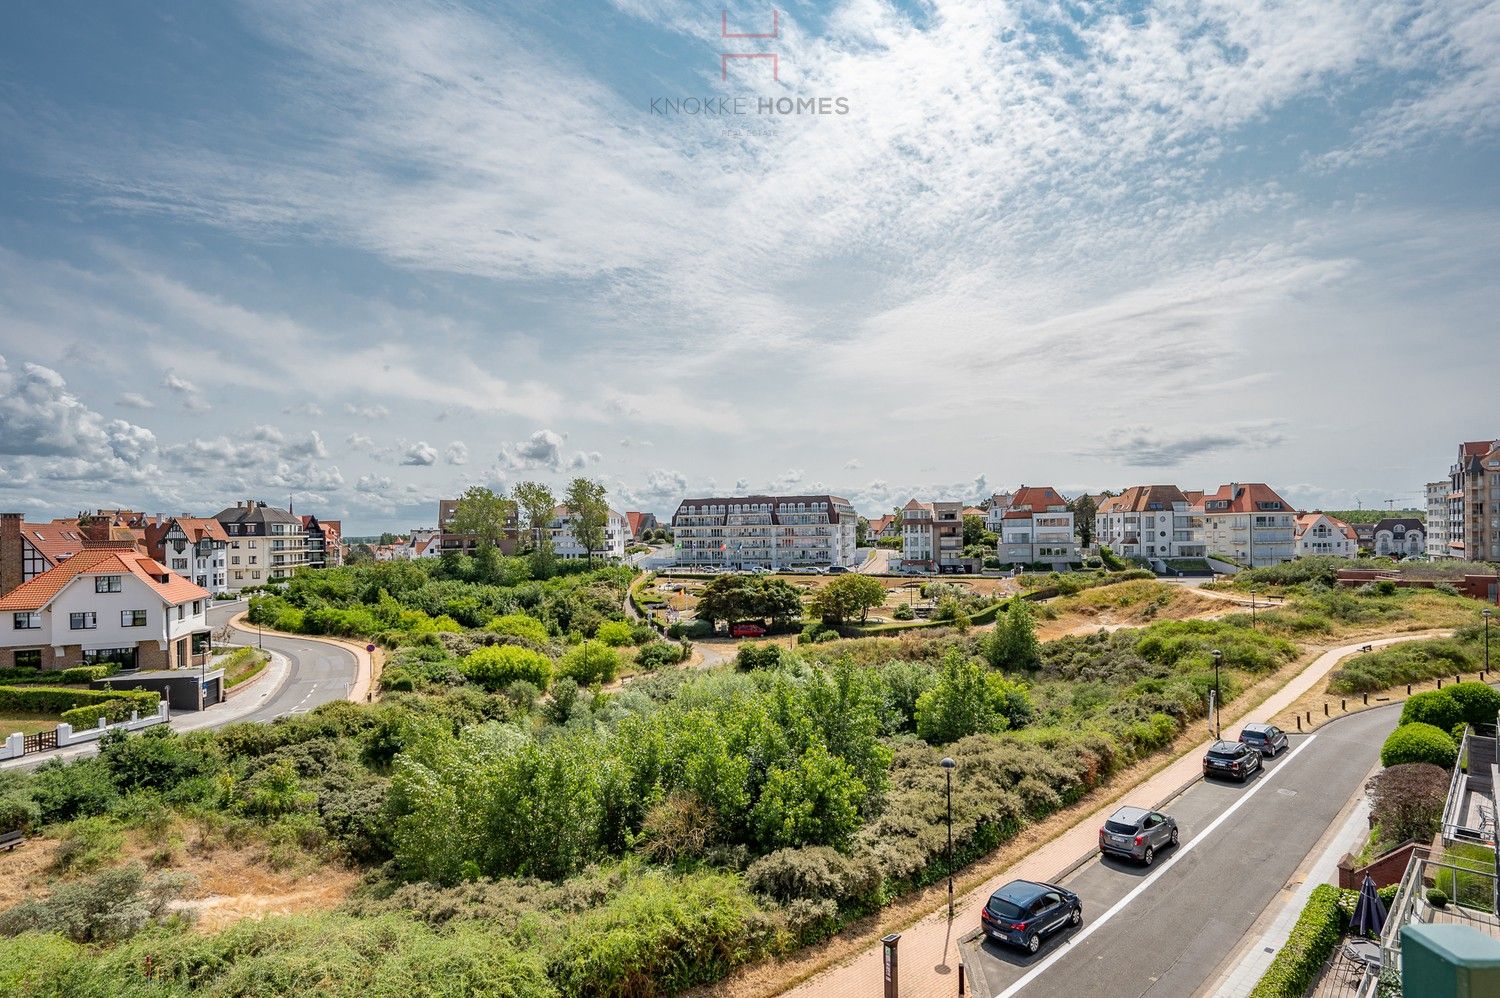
(1369, 913)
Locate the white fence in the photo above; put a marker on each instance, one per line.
(15, 745)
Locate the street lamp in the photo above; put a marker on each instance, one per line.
(1486, 613)
(948, 765)
(1218, 660)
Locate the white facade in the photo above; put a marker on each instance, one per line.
(932, 537)
(1400, 537)
(203, 561)
(1037, 528)
(1436, 527)
(765, 531)
(1318, 533)
(1251, 524)
(1151, 522)
(565, 545)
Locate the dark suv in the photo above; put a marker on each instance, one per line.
(1023, 911)
(1267, 738)
(1234, 759)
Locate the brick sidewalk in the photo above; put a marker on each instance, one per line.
(928, 952)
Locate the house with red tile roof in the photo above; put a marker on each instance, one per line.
(107, 604)
(639, 523)
(1037, 528)
(1152, 522)
(1251, 523)
(29, 549)
(1319, 533)
(194, 547)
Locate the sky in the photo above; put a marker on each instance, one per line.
(361, 255)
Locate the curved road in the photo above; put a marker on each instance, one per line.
(319, 672)
(1166, 931)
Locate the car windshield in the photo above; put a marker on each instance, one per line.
(1119, 827)
(1001, 908)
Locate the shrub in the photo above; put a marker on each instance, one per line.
(1419, 743)
(498, 666)
(1312, 939)
(18, 814)
(56, 699)
(156, 759)
(1468, 875)
(67, 790)
(590, 664)
(1407, 800)
(817, 873)
(108, 907)
(88, 716)
(1478, 702)
(615, 633)
(1437, 898)
(904, 612)
(1407, 662)
(89, 843)
(753, 655)
(1434, 707)
(655, 654)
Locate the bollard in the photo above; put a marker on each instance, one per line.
(1325, 709)
(1343, 704)
(1299, 722)
(1408, 689)
(1458, 679)
(960, 980)
(1440, 684)
(1367, 699)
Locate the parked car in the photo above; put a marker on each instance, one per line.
(836, 569)
(1137, 834)
(747, 631)
(1267, 738)
(1023, 911)
(1234, 759)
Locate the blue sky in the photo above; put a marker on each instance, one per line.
(369, 253)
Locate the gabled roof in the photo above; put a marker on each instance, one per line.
(110, 558)
(1245, 497)
(633, 519)
(1144, 498)
(1305, 522)
(1039, 497)
(1408, 523)
(56, 541)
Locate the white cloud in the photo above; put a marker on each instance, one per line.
(186, 392)
(420, 453)
(456, 452)
(366, 411)
(135, 400)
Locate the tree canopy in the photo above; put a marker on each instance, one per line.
(484, 513)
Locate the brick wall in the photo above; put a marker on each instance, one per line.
(1387, 869)
(10, 551)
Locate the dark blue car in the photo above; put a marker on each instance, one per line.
(1023, 911)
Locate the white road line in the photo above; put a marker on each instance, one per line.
(1140, 888)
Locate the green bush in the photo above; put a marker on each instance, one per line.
(1419, 743)
(56, 699)
(655, 654)
(18, 813)
(754, 655)
(497, 666)
(107, 907)
(1312, 939)
(89, 843)
(903, 612)
(615, 633)
(1434, 707)
(1406, 662)
(1478, 702)
(67, 790)
(1468, 876)
(590, 664)
(88, 716)
(519, 625)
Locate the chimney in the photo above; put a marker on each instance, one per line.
(10, 551)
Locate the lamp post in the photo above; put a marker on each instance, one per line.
(948, 765)
(1218, 703)
(1486, 613)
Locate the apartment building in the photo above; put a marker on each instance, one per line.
(932, 538)
(451, 542)
(196, 548)
(1152, 522)
(1399, 537)
(566, 545)
(1474, 502)
(266, 544)
(994, 510)
(107, 604)
(325, 542)
(1316, 532)
(1436, 527)
(766, 531)
(1250, 523)
(1037, 528)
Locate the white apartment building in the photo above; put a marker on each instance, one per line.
(1152, 522)
(1318, 533)
(1037, 527)
(266, 544)
(1250, 523)
(108, 604)
(565, 545)
(932, 537)
(1436, 527)
(1399, 536)
(765, 531)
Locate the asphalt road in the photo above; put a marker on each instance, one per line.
(319, 672)
(1166, 930)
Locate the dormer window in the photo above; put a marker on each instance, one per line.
(106, 583)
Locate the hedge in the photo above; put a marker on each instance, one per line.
(1419, 743)
(56, 699)
(77, 674)
(88, 715)
(1312, 939)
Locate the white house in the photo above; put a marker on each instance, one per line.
(1153, 522)
(196, 548)
(1319, 533)
(107, 604)
(1401, 536)
(769, 531)
(1250, 523)
(1037, 527)
(565, 545)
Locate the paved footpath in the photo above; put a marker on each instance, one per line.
(928, 951)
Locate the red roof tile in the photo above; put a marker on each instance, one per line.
(113, 558)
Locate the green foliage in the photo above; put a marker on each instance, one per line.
(848, 596)
(1013, 644)
(155, 759)
(1434, 707)
(107, 907)
(966, 700)
(904, 612)
(1312, 939)
(1468, 875)
(18, 813)
(111, 710)
(64, 791)
(731, 598)
(498, 666)
(816, 801)
(590, 664)
(1406, 662)
(615, 633)
(754, 655)
(1479, 703)
(656, 654)
(585, 500)
(56, 699)
(1191, 643)
(89, 843)
(486, 514)
(519, 625)
(1419, 743)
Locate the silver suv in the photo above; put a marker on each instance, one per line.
(1136, 833)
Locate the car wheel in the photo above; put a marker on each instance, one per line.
(1149, 856)
(1076, 919)
(1033, 943)
(1174, 835)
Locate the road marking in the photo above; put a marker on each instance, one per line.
(1140, 888)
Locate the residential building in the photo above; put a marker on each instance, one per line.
(566, 545)
(1436, 527)
(1318, 533)
(325, 542)
(1399, 537)
(1151, 522)
(196, 548)
(456, 543)
(767, 531)
(1474, 502)
(932, 538)
(29, 549)
(1037, 528)
(881, 527)
(994, 510)
(1251, 524)
(639, 523)
(266, 544)
(107, 604)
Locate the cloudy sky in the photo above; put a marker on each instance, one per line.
(367, 253)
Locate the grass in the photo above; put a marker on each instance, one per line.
(241, 665)
(26, 724)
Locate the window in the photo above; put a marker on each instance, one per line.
(27, 621)
(106, 583)
(197, 606)
(28, 658)
(132, 618)
(83, 621)
(120, 658)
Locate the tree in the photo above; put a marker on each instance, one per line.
(1013, 643)
(725, 598)
(590, 514)
(776, 600)
(974, 530)
(1407, 801)
(1084, 509)
(861, 531)
(485, 514)
(496, 667)
(589, 664)
(536, 502)
(848, 595)
(957, 705)
(814, 801)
